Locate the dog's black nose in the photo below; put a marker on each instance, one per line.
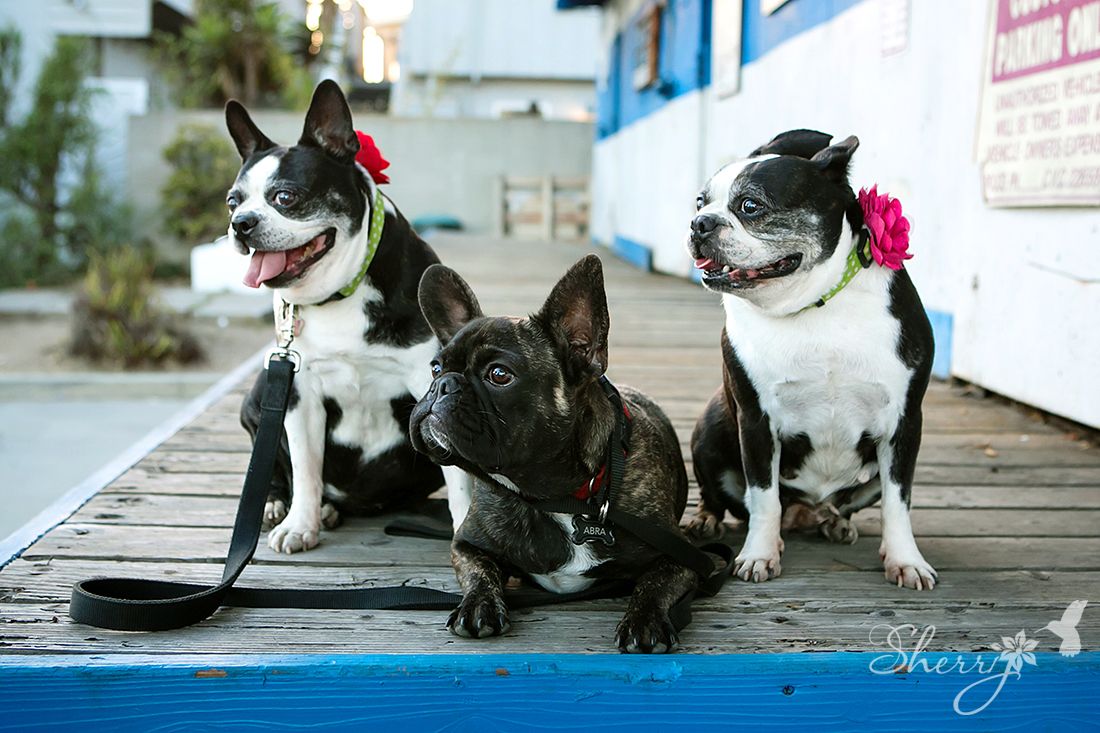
(245, 223)
(703, 225)
(448, 384)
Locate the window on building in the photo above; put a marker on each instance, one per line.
(648, 53)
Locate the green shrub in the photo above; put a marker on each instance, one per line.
(50, 226)
(203, 165)
(116, 321)
(234, 49)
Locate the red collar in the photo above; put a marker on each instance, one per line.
(594, 485)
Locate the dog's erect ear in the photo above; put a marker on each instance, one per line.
(243, 130)
(800, 143)
(833, 160)
(576, 314)
(447, 302)
(328, 123)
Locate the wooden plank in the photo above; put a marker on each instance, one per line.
(352, 546)
(173, 511)
(940, 451)
(738, 628)
(50, 581)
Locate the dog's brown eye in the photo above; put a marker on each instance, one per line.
(285, 198)
(437, 369)
(500, 376)
(232, 202)
(700, 202)
(751, 207)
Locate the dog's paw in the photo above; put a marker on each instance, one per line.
(646, 632)
(330, 516)
(705, 526)
(908, 570)
(759, 561)
(838, 529)
(274, 512)
(293, 535)
(479, 615)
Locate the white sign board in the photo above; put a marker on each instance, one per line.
(1039, 130)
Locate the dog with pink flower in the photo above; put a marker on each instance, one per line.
(827, 353)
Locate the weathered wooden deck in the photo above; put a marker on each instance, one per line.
(1006, 508)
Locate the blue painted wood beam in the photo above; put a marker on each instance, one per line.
(822, 692)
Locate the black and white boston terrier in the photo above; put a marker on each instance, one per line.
(520, 404)
(344, 266)
(827, 357)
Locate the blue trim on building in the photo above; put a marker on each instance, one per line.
(636, 253)
(943, 325)
(683, 65)
(834, 691)
(684, 56)
(762, 33)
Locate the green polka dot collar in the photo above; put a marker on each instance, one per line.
(858, 259)
(374, 236)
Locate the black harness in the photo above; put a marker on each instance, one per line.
(133, 604)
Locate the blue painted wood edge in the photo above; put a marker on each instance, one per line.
(833, 691)
(65, 505)
(943, 325)
(654, 667)
(636, 253)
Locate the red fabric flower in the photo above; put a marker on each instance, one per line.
(889, 229)
(370, 157)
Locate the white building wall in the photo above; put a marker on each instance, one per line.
(1021, 285)
(503, 38)
(478, 57)
(123, 87)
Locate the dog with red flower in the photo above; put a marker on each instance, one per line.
(827, 353)
(343, 267)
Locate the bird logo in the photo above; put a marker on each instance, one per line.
(1066, 629)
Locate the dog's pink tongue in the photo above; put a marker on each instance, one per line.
(263, 267)
(703, 263)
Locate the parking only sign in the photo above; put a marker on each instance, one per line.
(1039, 126)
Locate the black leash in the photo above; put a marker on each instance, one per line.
(133, 604)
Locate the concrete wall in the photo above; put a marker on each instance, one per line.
(437, 166)
(1014, 294)
(557, 99)
(477, 57)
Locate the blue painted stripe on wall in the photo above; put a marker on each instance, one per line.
(569, 692)
(685, 53)
(683, 65)
(943, 325)
(636, 253)
(761, 33)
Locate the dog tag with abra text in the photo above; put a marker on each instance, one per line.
(587, 530)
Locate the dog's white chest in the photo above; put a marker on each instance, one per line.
(831, 374)
(570, 578)
(359, 377)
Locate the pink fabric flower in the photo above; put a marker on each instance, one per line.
(889, 229)
(370, 157)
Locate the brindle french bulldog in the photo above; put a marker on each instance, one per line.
(518, 403)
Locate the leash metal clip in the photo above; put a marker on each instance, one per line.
(283, 351)
(283, 354)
